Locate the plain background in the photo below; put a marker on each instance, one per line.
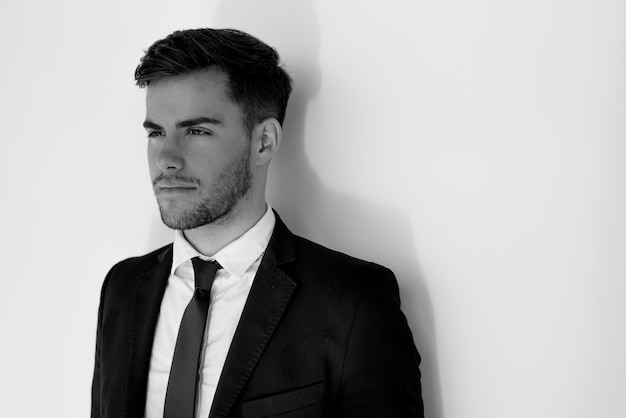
(475, 147)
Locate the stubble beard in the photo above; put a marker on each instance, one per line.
(232, 185)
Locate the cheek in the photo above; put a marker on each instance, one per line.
(152, 154)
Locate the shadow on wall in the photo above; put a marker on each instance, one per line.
(314, 210)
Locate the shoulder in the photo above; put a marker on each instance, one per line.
(322, 258)
(319, 267)
(141, 263)
(339, 275)
(129, 270)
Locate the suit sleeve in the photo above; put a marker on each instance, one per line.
(381, 376)
(95, 386)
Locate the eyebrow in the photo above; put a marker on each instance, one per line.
(198, 121)
(185, 123)
(151, 125)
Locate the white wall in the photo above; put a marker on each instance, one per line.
(475, 147)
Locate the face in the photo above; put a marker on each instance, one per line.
(198, 149)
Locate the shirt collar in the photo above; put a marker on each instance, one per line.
(236, 257)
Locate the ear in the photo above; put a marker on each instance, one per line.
(266, 140)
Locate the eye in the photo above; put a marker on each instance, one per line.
(197, 132)
(153, 134)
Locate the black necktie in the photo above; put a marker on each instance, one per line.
(180, 399)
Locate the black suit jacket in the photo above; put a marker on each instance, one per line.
(321, 335)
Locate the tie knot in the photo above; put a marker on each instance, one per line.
(204, 272)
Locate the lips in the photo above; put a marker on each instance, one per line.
(175, 186)
(172, 184)
(165, 186)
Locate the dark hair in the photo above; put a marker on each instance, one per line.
(256, 80)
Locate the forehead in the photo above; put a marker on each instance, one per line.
(196, 94)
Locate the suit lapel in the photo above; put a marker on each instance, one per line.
(269, 296)
(150, 289)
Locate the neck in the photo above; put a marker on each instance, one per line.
(209, 239)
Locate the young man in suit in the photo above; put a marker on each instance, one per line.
(239, 317)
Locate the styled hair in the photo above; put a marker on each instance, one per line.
(256, 80)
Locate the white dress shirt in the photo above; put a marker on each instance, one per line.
(240, 261)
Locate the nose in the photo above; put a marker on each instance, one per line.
(170, 156)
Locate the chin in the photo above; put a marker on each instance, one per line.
(192, 218)
(176, 217)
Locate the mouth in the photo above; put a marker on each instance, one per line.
(166, 189)
(169, 188)
(174, 184)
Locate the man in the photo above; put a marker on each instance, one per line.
(239, 317)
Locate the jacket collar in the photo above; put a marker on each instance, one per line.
(268, 299)
(282, 246)
(150, 288)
